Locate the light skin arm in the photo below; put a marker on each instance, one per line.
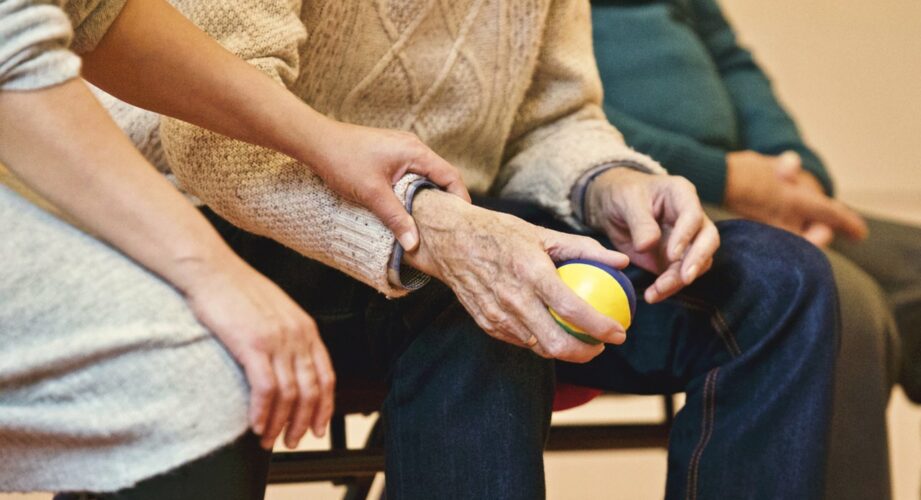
(62, 144)
(151, 51)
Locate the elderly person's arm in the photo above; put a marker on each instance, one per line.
(565, 157)
(564, 153)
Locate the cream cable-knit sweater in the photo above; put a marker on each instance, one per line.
(506, 90)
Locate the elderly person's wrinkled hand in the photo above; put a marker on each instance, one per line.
(502, 270)
(658, 221)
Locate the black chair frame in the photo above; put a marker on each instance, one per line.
(356, 468)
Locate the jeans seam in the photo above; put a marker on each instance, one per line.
(717, 321)
(707, 425)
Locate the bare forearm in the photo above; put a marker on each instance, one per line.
(156, 59)
(62, 144)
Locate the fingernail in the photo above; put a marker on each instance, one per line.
(620, 338)
(790, 156)
(691, 274)
(258, 428)
(408, 241)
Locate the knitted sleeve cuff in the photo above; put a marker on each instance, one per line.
(546, 171)
(400, 276)
(580, 188)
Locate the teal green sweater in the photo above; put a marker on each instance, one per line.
(682, 90)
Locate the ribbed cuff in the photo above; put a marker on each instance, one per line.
(580, 188)
(400, 276)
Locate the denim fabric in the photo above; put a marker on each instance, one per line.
(466, 415)
(753, 344)
(866, 369)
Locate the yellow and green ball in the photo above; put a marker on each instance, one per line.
(603, 287)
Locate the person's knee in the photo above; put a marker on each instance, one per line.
(781, 281)
(868, 334)
(779, 263)
(454, 353)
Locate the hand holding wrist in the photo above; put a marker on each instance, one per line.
(440, 218)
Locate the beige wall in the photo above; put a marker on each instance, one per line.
(850, 71)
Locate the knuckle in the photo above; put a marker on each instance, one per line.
(509, 299)
(309, 325)
(264, 387)
(493, 314)
(555, 347)
(287, 393)
(310, 395)
(505, 324)
(267, 338)
(566, 308)
(685, 184)
(328, 384)
(393, 220)
(412, 144)
(291, 329)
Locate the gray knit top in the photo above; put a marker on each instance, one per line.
(106, 378)
(38, 39)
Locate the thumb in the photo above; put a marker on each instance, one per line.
(387, 207)
(819, 234)
(788, 165)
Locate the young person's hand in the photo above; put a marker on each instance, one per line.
(776, 190)
(657, 220)
(359, 163)
(362, 164)
(291, 378)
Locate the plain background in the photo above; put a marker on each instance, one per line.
(851, 74)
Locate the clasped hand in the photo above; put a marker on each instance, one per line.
(776, 190)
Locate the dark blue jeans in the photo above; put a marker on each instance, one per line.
(752, 343)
